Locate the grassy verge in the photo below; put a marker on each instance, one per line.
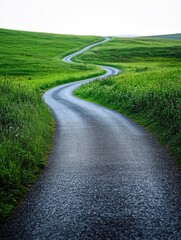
(29, 64)
(23, 142)
(148, 90)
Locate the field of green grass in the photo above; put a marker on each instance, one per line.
(29, 64)
(149, 88)
(35, 58)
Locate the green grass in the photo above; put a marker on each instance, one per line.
(26, 124)
(149, 88)
(29, 64)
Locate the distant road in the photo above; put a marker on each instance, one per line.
(106, 178)
(68, 58)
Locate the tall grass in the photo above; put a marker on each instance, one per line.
(148, 90)
(25, 126)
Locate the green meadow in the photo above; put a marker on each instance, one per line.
(30, 63)
(34, 59)
(149, 88)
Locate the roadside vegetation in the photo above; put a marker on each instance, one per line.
(149, 88)
(29, 64)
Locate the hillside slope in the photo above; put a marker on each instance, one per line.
(176, 36)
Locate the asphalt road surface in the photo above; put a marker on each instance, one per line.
(106, 178)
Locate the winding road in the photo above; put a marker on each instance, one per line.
(106, 178)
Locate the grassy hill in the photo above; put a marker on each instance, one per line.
(29, 64)
(149, 88)
(35, 58)
(176, 36)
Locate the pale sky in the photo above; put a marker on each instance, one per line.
(93, 17)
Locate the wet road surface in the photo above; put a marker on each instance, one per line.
(106, 178)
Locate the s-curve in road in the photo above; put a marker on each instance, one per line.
(106, 178)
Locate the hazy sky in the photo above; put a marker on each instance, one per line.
(92, 17)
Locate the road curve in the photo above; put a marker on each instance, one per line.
(68, 58)
(106, 178)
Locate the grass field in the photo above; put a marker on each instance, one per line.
(29, 64)
(149, 88)
(34, 58)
